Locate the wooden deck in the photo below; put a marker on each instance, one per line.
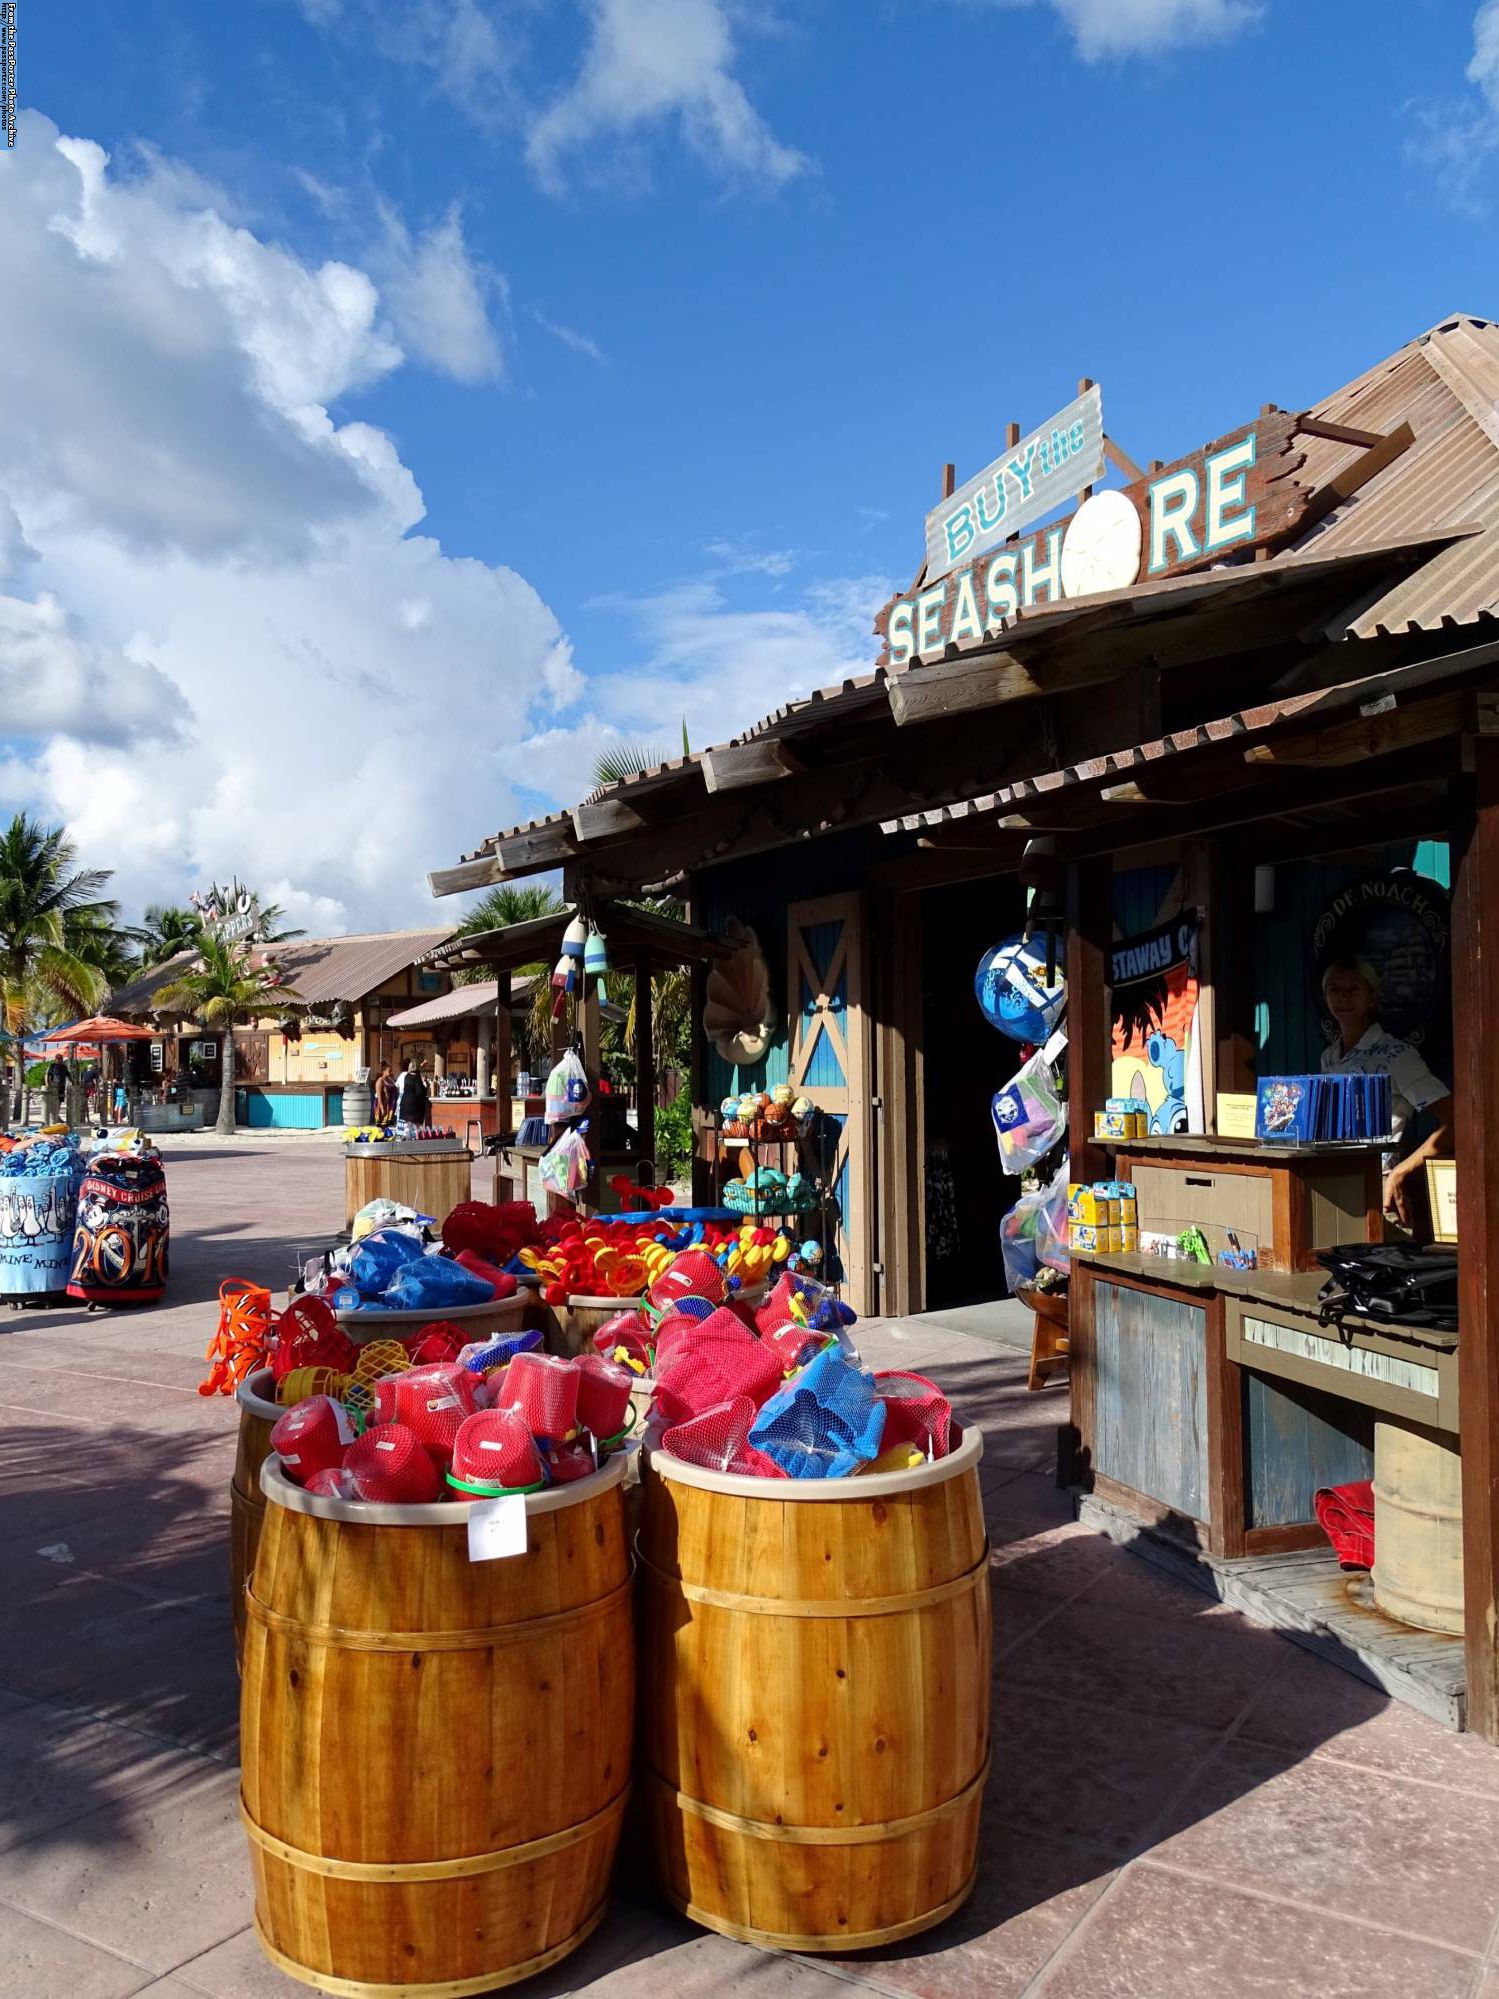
(1316, 1604)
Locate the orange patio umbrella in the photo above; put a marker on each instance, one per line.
(99, 1027)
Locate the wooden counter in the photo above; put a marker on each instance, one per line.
(1289, 1200)
(1210, 1403)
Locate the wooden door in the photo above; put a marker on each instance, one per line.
(829, 1063)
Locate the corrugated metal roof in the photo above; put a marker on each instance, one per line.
(1339, 701)
(461, 1003)
(318, 969)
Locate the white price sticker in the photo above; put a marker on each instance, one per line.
(497, 1528)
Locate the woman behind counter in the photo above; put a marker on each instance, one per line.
(1351, 988)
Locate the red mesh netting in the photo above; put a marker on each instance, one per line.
(603, 1395)
(693, 1274)
(629, 1333)
(567, 1463)
(336, 1482)
(311, 1437)
(389, 1463)
(792, 1344)
(431, 1402)
(308, 1335)
(494, 1448)
(719, 1440)
(496, 1231)
(544, 1389)
(916, 1412)
(776, 1309)
(713, 1362)
(442, 1340)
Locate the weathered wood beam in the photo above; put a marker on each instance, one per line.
(1386, 728)
(482, 873)
(1343, 485)
(958, 686)
(538, 846)
(762, 760)
(1249, 804)
(1336, 433)
(605, 819)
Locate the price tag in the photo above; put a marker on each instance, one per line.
(497, 1528)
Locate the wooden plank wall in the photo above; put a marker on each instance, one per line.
(1299, 1439)
(1150, 1405)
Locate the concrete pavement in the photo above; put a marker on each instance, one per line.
(1179, 1801)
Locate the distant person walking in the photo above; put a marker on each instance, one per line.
(385, 1096)
(413, 1101)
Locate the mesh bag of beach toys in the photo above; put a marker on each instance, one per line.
(712, 1362)
(825, 1423)
(718, 1439)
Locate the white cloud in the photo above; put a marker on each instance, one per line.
(648, 65)
(713, 667)
(438, 298)
(740, 557)
(1105, 28)
(222, 648)
(1456, 139)
(580, 343)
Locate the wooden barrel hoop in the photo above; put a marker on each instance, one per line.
(815, 1725)
(451, 1988)
(436, 1752)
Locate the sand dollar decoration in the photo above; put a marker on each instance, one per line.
(1101, 548)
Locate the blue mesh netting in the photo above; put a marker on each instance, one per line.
(824, 1424)
(378, 1257)
(500, 1352)
(433, 1282)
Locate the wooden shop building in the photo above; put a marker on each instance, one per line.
(292, 1071)
(1251, 703)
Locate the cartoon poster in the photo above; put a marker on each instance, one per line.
(1156, 1053)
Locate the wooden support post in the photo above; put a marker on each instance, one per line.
(704, 1170)
(502, 1064)
(1230, 927)
(900, 1120)
(1084, 383)
(1090, 932)
(1475, 1089)
(645, 1062)
(502, 1074)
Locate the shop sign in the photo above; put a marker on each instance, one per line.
(1042, 472)
(1236, 495)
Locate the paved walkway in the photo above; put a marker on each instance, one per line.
(1180, 1802)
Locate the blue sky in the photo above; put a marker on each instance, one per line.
(673, 308)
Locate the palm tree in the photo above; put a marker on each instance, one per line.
(42, 894)
(497, 910)
(94, 936)
(164, 930)
(222, 989)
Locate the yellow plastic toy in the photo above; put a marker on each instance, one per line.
(304, 1381)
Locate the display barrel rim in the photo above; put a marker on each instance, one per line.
(278, 1488)
(863, 1485)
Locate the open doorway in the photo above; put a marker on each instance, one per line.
(965, 1062)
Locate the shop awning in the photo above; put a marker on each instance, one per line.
(462, 1003)
(632, 937)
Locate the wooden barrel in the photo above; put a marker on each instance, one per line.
(478, 1322)
(436, 1752)
(258, 1410)
(580, 1318)
(430, 1175)
(815, 1661)
(1418, 1527)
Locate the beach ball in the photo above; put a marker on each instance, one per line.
(1013, 991)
